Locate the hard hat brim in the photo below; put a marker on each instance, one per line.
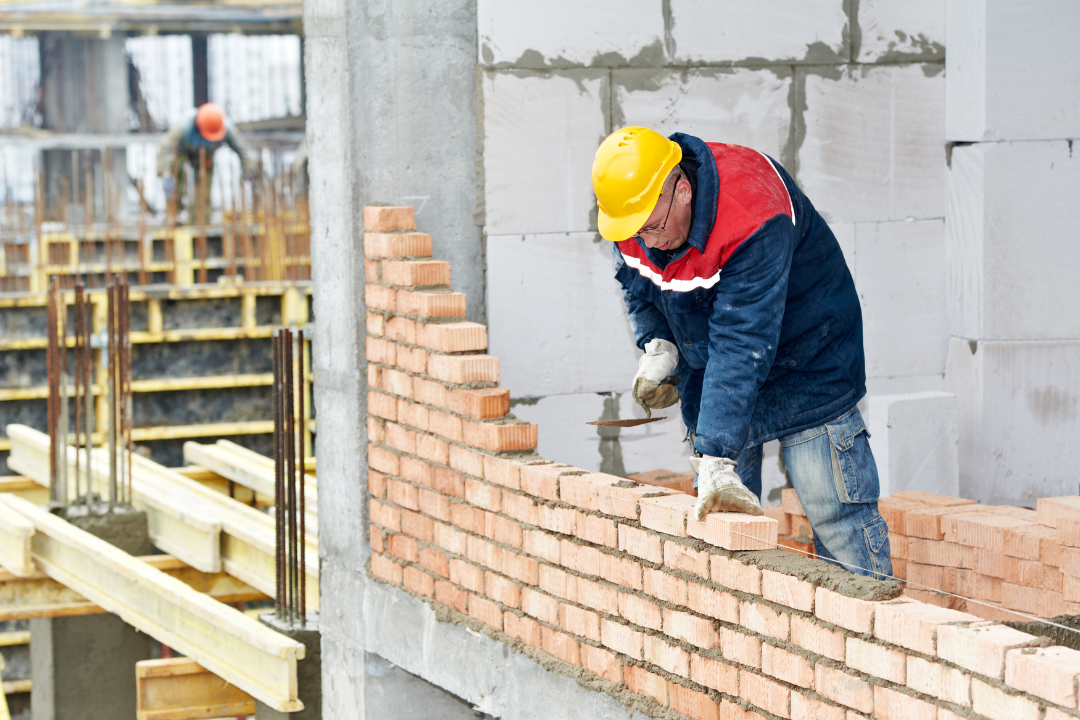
(216, 136)
(619, 229)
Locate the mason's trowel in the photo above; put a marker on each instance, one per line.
(626, 423)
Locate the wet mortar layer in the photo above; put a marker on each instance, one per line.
(1069, 638)
(119, 525)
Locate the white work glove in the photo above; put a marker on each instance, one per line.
(720, 489)
(654, 367)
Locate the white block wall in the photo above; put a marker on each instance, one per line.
(915, 442)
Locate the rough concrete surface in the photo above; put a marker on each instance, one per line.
(308, 670)
(395, 694)
(119, 525)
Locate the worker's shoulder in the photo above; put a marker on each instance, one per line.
(751, 186)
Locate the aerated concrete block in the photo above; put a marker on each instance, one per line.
(556, 317)
(1010, 241)
(1019, 418)
(561, 33)
(731, 105)
(874, 148)
(1013, 69)
(912, 31)
(707, 31)
(540, 132)
(914, 439)
(900, 277)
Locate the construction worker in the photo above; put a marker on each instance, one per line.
(201, 133)
(739, 295)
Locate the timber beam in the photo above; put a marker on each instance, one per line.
(178, 687)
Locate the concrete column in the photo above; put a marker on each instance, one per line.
(200, 68)
(83, 668)
(308, 670)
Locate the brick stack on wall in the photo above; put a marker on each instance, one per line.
(613, 582)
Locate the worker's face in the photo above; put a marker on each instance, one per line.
(669, 224)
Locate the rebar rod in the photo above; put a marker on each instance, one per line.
(111, 344)
(79, 352)
(290, 447)
(50, 372)
(303, 479)
(279, 477)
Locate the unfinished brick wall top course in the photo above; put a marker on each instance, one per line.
(615, 583)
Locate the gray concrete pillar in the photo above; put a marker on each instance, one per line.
(83, 668)
(308, 670)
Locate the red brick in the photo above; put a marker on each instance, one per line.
(850, 613)
(714, 674)
(403, 547)
(735, 575)
(621, 571)
(521, 507)
(592, 594)
(415, 470)
(397, 382)
(877, 660)
(414, 273)
(601, 662)
(583, 559)
(482, 552)
(499, 437)
(741, 648)
(666, 514)
(397, 244)
(1052, 510)
(838, 686)
(1034, 574)
(667, 656)
(401, 329)
(561, 646)
(1049, 673)
(502, 529)
(665, 587)
(597, 530)
(643, 682)
(376, 429)
(790, 502)
(480, 403)
(375, 539)
(786, 666)
(462, 369)
(520, 567)
(467, 517)
(432, 448)
(714, 603)
(483, 495)
(680, 557)
(808, 635)
(543, 480)
(735, 531)
(384, 515)
(692, 703)
(379, 350)
(522, 628)
(622, 638)
(640, 543)
(996, 704)
(466, 575)
(623, 501)
(448, 482)
(557, 519)
(450, 539)
(914, 625)
(452, 337)
(434, 504)
(413, 359)
(418, 581)
(893, 511)
(640, 611)
(434, 561)
(449, 427)
(577, 621)
(467, 461)
(412, 414)
(502, 590)
(374, 376)
(940, 681)
(485, 611)
(430, 304)
(541, 544)
(386, 217)
(1067, 533)
(892, 705)
(553, 581)
(691, 628)
(764, 620)
(583, 491)
(376, 484)
(979, 529)
(542, 607)
(375, 322)
(382, 460)
(506, 473)
(429, 392)
(379, 297)
(765, 694)
(804, 708)
(417, 526)
(386, 569)
(447, 594)
(787, 590)
(731, 711)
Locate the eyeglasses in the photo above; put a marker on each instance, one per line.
(660, 228)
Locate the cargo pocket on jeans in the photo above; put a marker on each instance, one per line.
(877, 535)
(854, 470)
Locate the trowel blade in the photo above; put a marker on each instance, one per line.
(626, 423)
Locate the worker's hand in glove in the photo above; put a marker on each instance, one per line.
(720, 489)
(656, 365)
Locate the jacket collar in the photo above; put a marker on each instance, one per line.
(706, 193)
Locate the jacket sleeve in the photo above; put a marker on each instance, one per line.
(167, 151)
(744, 331)
(236, 141)
(646, 320)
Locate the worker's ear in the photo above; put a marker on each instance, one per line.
(682, 191)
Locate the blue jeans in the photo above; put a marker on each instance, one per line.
(836, 478)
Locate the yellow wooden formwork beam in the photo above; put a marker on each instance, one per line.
(223, 640)
(243, 466)
(179, 688)
(39, 596)
(4, 714)
(15, 534)
(173, 432)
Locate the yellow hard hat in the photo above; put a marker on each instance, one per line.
(628, 174)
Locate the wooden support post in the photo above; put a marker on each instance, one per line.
(15, 534)
(153, 315)
(247, 311)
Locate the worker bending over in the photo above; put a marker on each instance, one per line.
(739, 296)
(202, 132)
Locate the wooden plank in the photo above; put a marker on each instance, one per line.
(243, 466)
(223, 640)
(209, 382)
(174, 432)
(180, 689)
(15, 534)
(19, 637)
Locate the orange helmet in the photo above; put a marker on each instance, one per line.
(210, 121)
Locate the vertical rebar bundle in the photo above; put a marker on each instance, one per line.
(119, 391)
(289, 476)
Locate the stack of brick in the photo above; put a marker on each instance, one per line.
(614, 582)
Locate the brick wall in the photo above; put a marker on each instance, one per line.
(611, 581)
